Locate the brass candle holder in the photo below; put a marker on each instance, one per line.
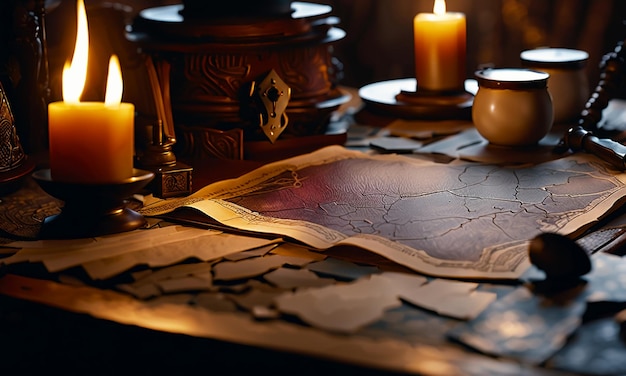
(91, 209)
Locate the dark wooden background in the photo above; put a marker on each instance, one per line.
(378, 45)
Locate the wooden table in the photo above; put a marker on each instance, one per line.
(46, 326)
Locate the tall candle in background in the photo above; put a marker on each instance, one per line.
(440, 48)
(90, 142)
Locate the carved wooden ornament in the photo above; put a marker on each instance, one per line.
(11, 152)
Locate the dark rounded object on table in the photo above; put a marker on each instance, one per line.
(94, 193)
(91, 209)
(558, 256)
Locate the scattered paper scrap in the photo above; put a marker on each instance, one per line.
(174, 271)
(38, 250)
(210, 246)
(256, 298)
(256, 284)
(341, 308)
(140, 274)
(349, 306)
(189, 283)
(296, 278)
(50, 245)
(257, 252)
(294, 250)
(233, 270)
(450, 298)
(104, 257)
(395, 144)
(175, 278)
(450, 146)
(361, 134)
(423, 129)
(523, 326)
(62, 254)
(404, 283)
(236, 288)
(143, 292)
(206, 275)
(342, 269)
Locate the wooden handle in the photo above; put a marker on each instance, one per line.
(606, 149)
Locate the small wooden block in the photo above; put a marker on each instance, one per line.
(172, 181)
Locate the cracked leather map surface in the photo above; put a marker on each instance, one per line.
(463, 219)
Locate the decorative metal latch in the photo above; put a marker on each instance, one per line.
(274, 95)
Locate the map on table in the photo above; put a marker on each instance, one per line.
(463, 220)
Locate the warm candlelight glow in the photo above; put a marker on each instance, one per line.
(440, 7)
(440, 49)
(115, 85)
(90, 142)
(75, 74)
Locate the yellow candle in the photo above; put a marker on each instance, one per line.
(90, 142)
(440, 48)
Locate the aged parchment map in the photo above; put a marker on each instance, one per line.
(456, 220)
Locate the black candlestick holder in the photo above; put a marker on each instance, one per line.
(91, 209)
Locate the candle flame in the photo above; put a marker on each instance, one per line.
(439, 7)
(75, 74)
(115, 85)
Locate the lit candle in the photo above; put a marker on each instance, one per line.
(440, 43)
(90, 142)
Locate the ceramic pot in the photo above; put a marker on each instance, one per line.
(512, 106)
(568, 84)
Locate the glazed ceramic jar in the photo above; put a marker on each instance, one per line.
(512, 106)
(568, 83)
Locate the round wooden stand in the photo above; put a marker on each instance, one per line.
(399, 98)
